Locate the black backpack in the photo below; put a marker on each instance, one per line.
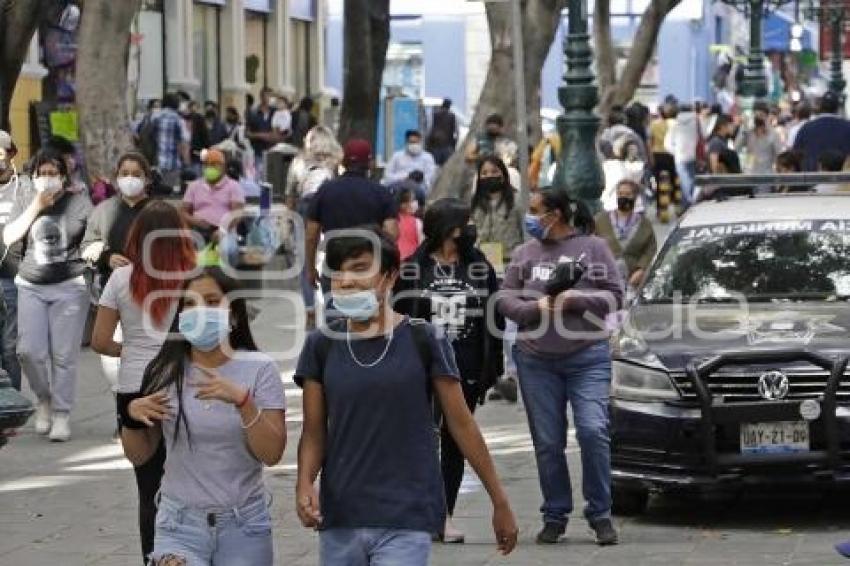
(147, 141)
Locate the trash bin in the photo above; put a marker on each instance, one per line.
(278, 159)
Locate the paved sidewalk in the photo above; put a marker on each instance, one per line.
(73, 504)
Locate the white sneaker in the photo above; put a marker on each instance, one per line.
(451, 534)
(61, 429)
(42, 417)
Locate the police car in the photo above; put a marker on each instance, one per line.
(731, 365)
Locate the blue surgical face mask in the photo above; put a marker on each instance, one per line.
(205, 327)
(359, 306)
(534, 227)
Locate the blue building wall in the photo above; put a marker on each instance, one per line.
(333, 54)
(443, 40)
(685, 59)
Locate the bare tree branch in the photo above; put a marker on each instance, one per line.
(606, 56)
(19, 20)
(541, 19)
(643, 47)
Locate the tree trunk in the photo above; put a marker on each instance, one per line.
(104, 47)
(19, 20)
(603, 45)
(643, 47)
(541, 19)
(366, 37)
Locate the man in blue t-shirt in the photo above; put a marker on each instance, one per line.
(368, 426)
(346, 202)
(826, 132)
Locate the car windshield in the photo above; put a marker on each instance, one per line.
(763, 261)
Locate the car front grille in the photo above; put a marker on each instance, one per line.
(735, 385)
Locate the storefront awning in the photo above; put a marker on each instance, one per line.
(777, 33)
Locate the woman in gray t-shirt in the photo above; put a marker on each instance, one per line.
(141, 297)
(219, 405)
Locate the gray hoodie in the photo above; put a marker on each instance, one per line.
(584, 321)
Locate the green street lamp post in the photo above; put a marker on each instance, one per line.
(755, 79)
(835, 13)
(579, 171)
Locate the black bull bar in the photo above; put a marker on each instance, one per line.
(766, 411)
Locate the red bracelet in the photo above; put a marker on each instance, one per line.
(244, 400)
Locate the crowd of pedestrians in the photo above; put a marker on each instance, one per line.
(429, 307)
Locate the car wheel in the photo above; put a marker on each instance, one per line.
(630, 501)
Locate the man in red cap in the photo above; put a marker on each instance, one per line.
(349, 201)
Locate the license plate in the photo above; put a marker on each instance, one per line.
(775, 438)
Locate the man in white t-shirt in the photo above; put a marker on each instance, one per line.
(282, 119)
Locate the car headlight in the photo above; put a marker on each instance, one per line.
(639, 383)
(630, 345)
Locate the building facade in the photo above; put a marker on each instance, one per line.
(217, 50)
(221, 50)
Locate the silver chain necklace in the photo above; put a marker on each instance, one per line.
(377, 361)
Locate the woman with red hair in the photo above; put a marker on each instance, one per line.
(142, 296)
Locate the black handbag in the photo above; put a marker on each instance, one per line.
(565, 276)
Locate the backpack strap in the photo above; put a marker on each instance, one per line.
(422, 341)
(323, 346)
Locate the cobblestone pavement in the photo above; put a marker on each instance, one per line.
(73, 504)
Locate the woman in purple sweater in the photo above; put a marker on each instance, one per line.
(562, 355)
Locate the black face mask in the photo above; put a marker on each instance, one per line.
(490, 184)
(625, 204)
(468, 237)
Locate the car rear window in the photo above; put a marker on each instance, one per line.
(763, 261)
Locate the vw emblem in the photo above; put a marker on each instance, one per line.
(773, 385)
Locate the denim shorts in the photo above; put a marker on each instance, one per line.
(374, 547)
(236, 537)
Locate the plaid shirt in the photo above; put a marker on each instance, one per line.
(170, 133)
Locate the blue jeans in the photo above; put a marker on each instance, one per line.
(508, 347)
(8, 354)
(238, 537)
(582, 379)
(308, 292)
(374, 547)
(687, 172)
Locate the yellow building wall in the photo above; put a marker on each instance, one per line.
(27, 90)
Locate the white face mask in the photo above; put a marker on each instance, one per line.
(272, 101)
(414, 148)
(131, 186)
(47, 184)
(414, 206)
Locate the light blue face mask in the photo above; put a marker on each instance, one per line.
(205, 327)
(359, 306)
(534, 227)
